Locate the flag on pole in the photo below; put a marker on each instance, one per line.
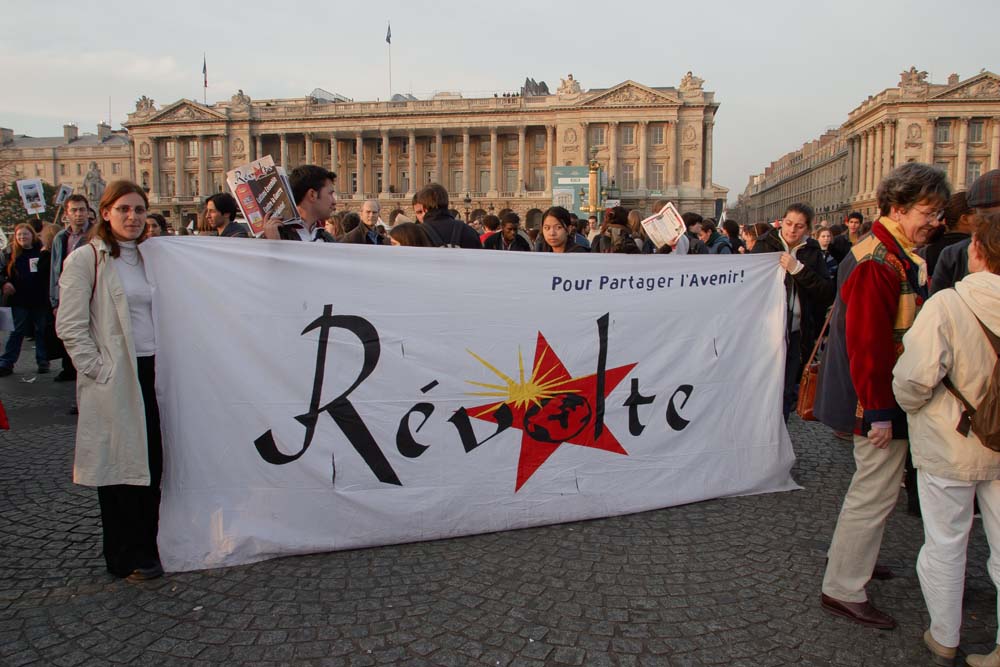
(204, 69)
(388, 34)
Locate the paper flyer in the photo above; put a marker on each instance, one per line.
(62, 195)
(665, 227)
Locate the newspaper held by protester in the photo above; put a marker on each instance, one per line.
(262, 189)
(665, 227)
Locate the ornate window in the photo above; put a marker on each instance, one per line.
(628, 135)
(943, 132)
(976, 132)
(656, 135)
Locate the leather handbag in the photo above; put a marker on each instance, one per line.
(810, 378)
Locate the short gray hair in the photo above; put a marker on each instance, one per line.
(374, 203)
(912, 183)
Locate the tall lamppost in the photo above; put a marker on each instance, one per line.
(468, 206)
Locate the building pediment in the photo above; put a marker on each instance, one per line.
(629, 94)
(185, 110)
(985, 85)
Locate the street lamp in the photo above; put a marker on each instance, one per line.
(468, 206)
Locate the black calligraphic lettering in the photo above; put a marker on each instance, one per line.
(503, 415)
(634, 400)
(675, 421)
(405, 442)
(340, 408)
(602, 365)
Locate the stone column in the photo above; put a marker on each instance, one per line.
(413, 164)
(849, 176)
(521, 134)
(360, 143)
(466, 160)
(863, 176)
(154, 177)
(493, 162)
(674, 147)
(994, 145)
(550, 150)
(178, 167)
(308, 137)
(225, 156)
(707, 138)
(335, 156)
(284, 151)
(260, 147)
(643, 126)
(439, 150)
(386, 176)
(204, 187)
(930, 138)
(877, 157)
(613, 152)
(963, 153)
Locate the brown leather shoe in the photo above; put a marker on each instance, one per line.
(940, 654)
(862, 613)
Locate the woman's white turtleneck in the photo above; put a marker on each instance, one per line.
(139, 294)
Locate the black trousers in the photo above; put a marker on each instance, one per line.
(793, 373)
(130, 515)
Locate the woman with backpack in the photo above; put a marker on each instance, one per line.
(935, 381)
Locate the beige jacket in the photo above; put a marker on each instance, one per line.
(97, 332)
(946, 339)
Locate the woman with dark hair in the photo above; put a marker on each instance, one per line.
(616, 235)
(556, 236)
(732, 230)
(156, 225)
(24, 283)
(933, 380)
(750, 233)
(410, 234)
(105, 319)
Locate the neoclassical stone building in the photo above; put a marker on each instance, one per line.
(495, 152)
(955, 126)
(67, 159)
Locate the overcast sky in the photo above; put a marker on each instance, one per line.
(782, 71)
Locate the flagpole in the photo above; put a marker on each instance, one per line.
(204, 75)
(389, 40)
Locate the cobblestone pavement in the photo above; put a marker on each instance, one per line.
(727, 582)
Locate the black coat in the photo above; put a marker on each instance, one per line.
(444, 230)
(813, 286)
(495, 242)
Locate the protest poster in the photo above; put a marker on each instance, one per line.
(62, 195)
(262, 189)
(32, 195)
(404, 408)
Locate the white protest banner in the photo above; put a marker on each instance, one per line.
(317, 397)
(32, 195)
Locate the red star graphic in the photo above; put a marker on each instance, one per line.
(567, 415)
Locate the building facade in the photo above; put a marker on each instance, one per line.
(66, 160)
(955, 126)
(490, 153)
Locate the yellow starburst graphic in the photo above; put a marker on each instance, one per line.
(519, 393)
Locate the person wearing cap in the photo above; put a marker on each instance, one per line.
(953, 262)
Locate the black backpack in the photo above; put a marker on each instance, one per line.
(454, 242)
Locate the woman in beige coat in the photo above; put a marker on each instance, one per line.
(105, 320)
(953, 469)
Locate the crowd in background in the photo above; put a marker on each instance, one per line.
(883, 386)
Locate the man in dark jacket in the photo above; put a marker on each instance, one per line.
(220, 213)
(507, 238)
(366, 232)
(953, 262)
(809, 291)
(693, 223)
(716, 242)
(430, 205)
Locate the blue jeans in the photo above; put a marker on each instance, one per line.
(39, 315)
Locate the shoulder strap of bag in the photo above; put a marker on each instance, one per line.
(456, 235)
(433, 235)
(965, 423)
(819, 339)
(93, 286)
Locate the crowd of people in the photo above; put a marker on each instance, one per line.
(889, 350)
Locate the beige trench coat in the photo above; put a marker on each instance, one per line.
(111, 429)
